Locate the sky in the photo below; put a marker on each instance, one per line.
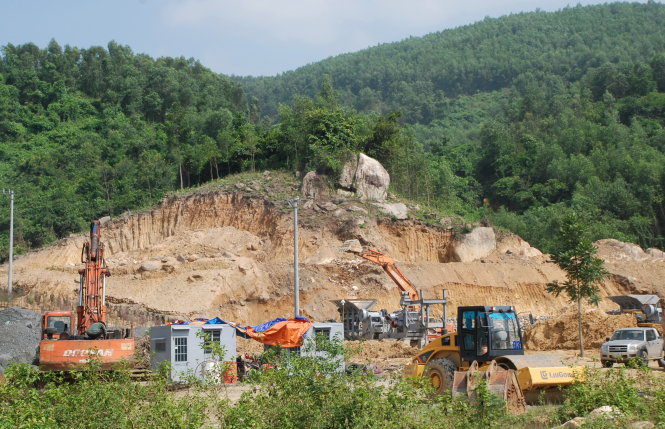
(246, 37)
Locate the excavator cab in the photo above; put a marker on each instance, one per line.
(57, 324)
(487, 332)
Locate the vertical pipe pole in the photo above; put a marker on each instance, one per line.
(424, 312)
(445, 308)
(296, 285)
(81, 290)
(11, 242)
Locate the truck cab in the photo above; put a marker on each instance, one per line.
(57, 324)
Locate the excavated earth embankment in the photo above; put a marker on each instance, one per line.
(562, 332)
(229, 253)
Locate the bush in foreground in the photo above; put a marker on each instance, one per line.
(303, 392)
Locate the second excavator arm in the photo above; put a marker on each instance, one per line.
(388, 265)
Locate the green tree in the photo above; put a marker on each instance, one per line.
(584, 271)
(249, 144)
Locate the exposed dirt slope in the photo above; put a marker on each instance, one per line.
(229, 254)
(561, 333)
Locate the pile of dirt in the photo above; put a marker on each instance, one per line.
(380, 349)
(561, 333)
(19, 336)
(248, 346)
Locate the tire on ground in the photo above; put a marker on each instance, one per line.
(441, 372)
(607, 363)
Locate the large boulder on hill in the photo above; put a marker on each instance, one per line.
(656, 253)
(513, 245)
(397, 210)
(315, 186)
(612, 250)
(366, 177)
(615, 249)
(475, 245)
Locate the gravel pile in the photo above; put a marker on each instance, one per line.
(19, 336)
(528, 320)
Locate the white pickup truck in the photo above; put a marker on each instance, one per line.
(625, 344)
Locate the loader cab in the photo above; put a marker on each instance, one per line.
(57, 324)
(486, 332)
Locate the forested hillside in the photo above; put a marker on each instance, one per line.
(520, 120)
(86, 133)
(92, 132)
(416, 76)
(536, 114)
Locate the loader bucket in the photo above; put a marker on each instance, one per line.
(500, 382)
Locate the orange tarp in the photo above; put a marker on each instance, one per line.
(285, 333)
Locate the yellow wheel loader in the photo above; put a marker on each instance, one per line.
(488, 346)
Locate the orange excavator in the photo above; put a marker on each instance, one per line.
(413, 321)
(388, 265)
(67, 346)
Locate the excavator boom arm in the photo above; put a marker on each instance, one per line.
(388, 265)
(92, 306)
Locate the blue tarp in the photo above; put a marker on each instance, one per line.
(267, 325)
(241, 331)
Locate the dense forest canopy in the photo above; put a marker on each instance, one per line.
(520, 120)
(90, 132)
(416, 76)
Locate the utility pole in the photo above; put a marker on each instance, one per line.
(11, 241)
(296, 286)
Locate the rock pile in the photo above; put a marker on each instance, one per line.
(19, 336)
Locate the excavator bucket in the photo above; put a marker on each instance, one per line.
(499, 381)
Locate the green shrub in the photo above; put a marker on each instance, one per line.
(597, 388)
(303, 392)
(92, 398)
(310, 392)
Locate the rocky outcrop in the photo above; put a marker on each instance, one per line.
(315, 186)
(513, 245)
(366, 177)
(397, 210)
(475, 245)
(351, 246)
(612, 250)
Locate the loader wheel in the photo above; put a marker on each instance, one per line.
(441, 373)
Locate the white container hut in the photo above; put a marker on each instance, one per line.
(187, 348)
